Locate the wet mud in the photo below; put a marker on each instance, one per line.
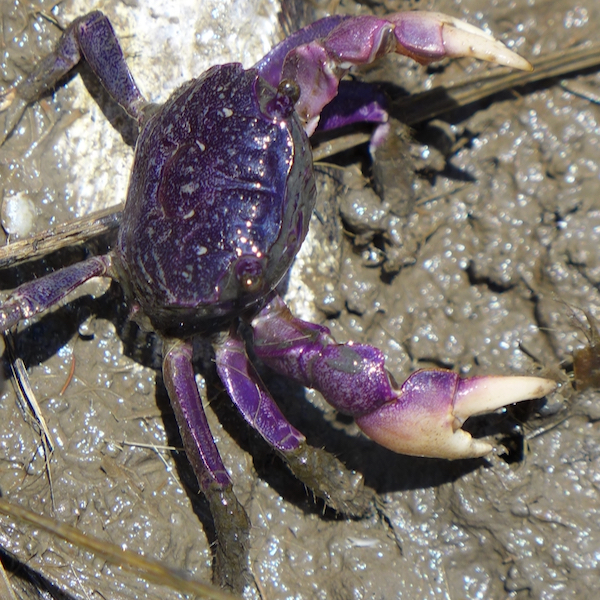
(487, 261)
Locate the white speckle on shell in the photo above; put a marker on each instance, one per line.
(18, 213)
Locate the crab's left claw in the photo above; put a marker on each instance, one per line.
(430, 36)
(422, 417)
(430, 408)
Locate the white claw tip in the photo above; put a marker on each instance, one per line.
(463, 39)
(480, 395)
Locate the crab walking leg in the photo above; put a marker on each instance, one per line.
(250, 395)
(318, 65)
(232, 525)
(320, 471)
(422, 417)
(38, 295)
(93, 38)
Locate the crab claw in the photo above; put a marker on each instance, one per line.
(316, 58)
(430, 408)
(429, 36)
(422, 417)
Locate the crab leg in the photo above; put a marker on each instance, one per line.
(36, 296)
(231, 521)
(320, 471)
(337, 44)
(93, 38)
(422, 417)
(250, 395)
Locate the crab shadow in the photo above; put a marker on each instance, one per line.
(31, 583)
(383, 470)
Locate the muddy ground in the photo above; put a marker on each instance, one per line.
(488, 269)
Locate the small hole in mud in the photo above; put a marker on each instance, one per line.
(502, 430)
(515, 449)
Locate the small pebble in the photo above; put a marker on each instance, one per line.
(18, 213)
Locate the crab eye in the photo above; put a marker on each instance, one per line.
(249, 273)
(282, 104)
(290, 89)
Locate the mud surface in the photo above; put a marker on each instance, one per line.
(489, 273)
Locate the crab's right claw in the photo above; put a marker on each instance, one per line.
(429, 36)
(431, 406)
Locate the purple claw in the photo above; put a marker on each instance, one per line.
(429, 36)
(423, 417)
(318, 64)
(426, 417)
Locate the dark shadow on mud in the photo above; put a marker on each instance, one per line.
(383, 470)
(28, 582)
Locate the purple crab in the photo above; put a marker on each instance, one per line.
(220, 198)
